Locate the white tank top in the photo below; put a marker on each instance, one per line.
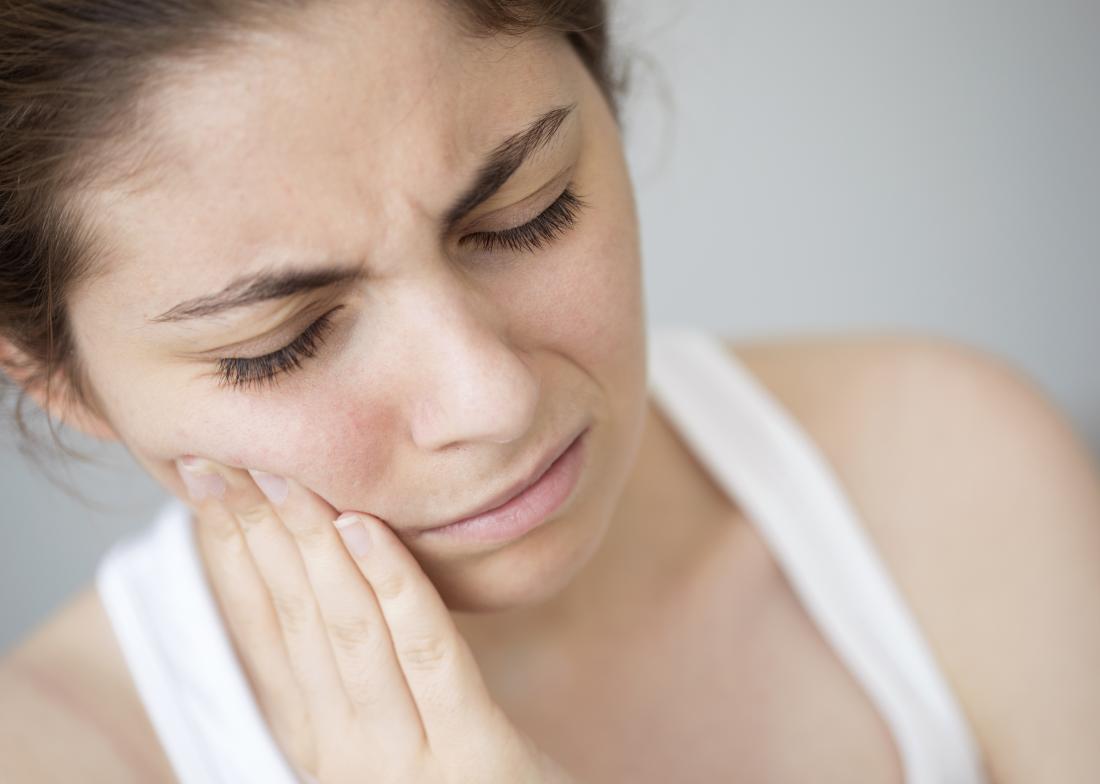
(153, 587)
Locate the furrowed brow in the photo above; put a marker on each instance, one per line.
(259, 287)
(505, 159)
(500, 164)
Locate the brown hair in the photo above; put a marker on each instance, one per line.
(71, 76)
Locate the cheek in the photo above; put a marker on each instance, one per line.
(604, 283)
(334, 441)
(595, 303)
(342, 446)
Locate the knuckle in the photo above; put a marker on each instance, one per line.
(224, 531)
(427, 651)
(310, 535)
(350, 635)
(293, 611)
(389, 586)
(252, 516)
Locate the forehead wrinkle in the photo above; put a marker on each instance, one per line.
(452, 143)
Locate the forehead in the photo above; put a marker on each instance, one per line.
(351, 119)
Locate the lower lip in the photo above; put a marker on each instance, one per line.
(526, 511)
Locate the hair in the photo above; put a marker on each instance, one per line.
(72, 75)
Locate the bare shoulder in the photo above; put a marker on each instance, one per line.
(70, 710)
(985, 505)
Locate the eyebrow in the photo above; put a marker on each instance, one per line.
(498, 167)
(260, 287)
(506, 158)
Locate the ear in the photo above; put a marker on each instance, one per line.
(57, 397)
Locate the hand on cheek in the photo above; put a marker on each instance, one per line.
(332, 613)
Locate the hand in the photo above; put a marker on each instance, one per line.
(354, 657)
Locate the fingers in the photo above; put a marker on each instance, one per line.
(389, 640)
(437, 663)
(335, 634)
(353, 621)
(254, 629)
(283, 574)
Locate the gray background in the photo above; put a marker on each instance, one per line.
(800, 167)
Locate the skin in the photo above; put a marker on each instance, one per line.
(650, 557)
(449, 371)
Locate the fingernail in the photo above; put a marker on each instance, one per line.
(272, 486)
(354, 533)
(200, 481)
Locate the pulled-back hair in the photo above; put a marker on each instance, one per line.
(72, 73)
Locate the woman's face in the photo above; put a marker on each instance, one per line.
(318, 174)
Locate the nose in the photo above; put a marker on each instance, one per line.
(470, 385)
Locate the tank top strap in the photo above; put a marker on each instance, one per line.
(196, 694)
(755, 451)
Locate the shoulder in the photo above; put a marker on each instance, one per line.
(985, 506)
(67, 687)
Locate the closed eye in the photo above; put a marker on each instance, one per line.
(544, 228)
(243, 372)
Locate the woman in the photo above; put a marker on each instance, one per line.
(342, 274)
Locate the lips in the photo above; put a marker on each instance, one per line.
(533, 476)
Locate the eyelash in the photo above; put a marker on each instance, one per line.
(544, 228)
(244, 372)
